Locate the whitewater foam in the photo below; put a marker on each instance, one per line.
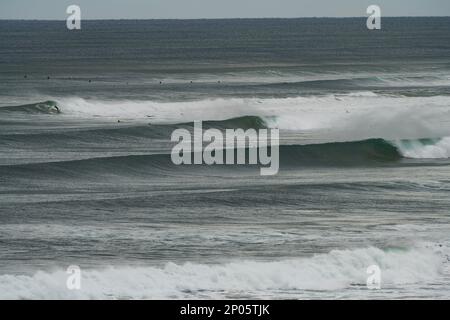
(355, 116)
(419, 149)
(337, 270)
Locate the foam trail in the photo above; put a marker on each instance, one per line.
(336, 270)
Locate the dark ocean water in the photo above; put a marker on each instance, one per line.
(364, 158)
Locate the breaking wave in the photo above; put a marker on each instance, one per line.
(337, 270)
(351, 117)
(357, 153)
(46, 107)
(424, 148)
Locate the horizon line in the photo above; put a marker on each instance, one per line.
(234, 18)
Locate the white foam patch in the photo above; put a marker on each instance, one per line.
(419, 150)
(355, 116)
(337, 270)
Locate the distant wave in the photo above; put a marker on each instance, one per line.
(245, 122)
(336, 270)
(354, 116)
(45, 107)
(226, 108)
(331, 84)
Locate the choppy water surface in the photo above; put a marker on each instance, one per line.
(364, 172)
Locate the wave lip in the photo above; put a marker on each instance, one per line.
(46, 107)
(337, 270)
(424, 148)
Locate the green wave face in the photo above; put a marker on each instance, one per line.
(245, 122)
(340, 153)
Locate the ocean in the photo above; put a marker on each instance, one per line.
(86, 177)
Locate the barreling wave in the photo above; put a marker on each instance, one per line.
(372, 152)
(336, 270)
(366, 152)
(46, 107)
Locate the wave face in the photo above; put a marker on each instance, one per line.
(245, 122)
(343, 153)
(337, 270)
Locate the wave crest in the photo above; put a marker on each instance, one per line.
(424, 148)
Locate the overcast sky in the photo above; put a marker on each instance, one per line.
(154, 9)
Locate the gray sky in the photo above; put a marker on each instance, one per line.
(153, 9)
